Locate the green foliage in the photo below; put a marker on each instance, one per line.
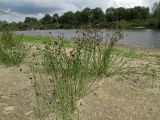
(47, 19)
(114, 14)
(31, 22)
(7, 40)
(68, 18)
(156, 13)
(73, 72)
(97, 16)
(128, 52)
(12, 52)
(83, 17)
(131, 17)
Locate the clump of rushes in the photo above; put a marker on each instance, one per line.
(12, 51)
(74, 71)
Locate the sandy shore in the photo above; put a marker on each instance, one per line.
(115, 98)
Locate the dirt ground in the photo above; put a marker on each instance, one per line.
(16, 94)
(114, 99)
(120, 101)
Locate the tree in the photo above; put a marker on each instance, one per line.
(110, 14)
(68, 18)
(156, 12)
(85, 15)
(47, 19)
(97, 16)
(56, 19)
(121, 13)
(78, 18)
(22, 26)
(156, 9)
(30, 20)
(141, 12)
(131, 17)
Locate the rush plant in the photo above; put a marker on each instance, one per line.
(74, 71)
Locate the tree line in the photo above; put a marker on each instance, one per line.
(113, 17)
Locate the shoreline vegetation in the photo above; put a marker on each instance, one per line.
(88, 78)
(137, 17)
(60, 77)
(42, 39)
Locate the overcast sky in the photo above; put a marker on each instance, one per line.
(37, 8)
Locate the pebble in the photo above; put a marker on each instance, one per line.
(4, 97)
(34, 47)
(14, 94)
(29, 112)
(3, 104)
(51, 116)
(8, 110)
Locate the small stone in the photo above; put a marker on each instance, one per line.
(8, 110)
(109, 118)
(1, 94)
(80, 104)
(20, 70)
(3, 104)
(38, 48)
(95, 94)
(14, 94)
(4, 97)
(29, 112)
(34, 47)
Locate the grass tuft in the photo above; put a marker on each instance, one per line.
(73, 72)
(12, 51)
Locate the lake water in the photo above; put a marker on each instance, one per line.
(144, 38)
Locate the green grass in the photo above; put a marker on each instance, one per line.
(133, 53)
(12, 56)
(127, 52)
(40, 39)
(44, 39)
(12, 51)
(36, 39)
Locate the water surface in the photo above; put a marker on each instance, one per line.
(144, 38)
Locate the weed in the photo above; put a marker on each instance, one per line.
(12, 51)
